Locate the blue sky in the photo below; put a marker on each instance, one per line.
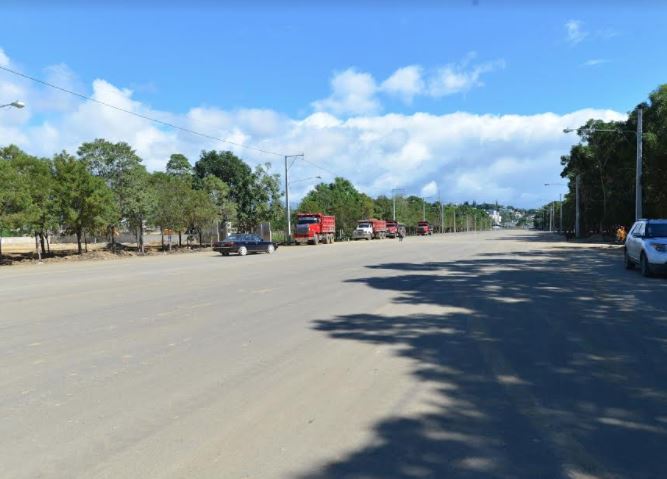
(479, 59)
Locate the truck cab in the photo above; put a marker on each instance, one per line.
(364, 230)
(424, 228)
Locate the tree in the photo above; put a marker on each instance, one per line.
(245, 192)
(32, 177)
(219, 193)
(341, 199)
(84, 202)
(200, 212)
(14, 198)
(121, 168)
(169, 208)
(179, 165)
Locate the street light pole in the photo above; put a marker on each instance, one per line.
(288, 229)
(393, 197)
(638, 177)
(577, 221)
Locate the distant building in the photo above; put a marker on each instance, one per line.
(495, 217)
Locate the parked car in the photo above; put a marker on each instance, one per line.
(244, 244)
(646, 245)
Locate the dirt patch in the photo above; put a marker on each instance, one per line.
(102, 254)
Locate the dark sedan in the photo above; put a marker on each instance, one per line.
(244, 244)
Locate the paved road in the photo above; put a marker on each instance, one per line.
(494, 355)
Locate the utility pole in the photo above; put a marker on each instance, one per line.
(638, 177)
(393, 197)
(560, 202)
(577, 221)
(288, 229)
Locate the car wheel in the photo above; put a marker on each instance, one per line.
(243, 251)
(644, 266)
(628, 262)
(225, 254)
(270, 249)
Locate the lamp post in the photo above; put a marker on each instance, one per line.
(560, 201)
(638, 173)
(424, 198)
(288, 228)
(393, 197)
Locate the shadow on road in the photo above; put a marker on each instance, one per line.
(547, 365)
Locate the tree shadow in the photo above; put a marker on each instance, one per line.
(546, 365)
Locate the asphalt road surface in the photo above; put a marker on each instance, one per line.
(489, 355)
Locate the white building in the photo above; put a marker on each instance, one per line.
(495, 217)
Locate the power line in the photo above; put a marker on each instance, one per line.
(139, 115)
(320, 167)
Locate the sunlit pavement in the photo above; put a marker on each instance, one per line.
(499, 354)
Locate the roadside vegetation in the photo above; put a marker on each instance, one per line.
(605, 163)
(105, 189)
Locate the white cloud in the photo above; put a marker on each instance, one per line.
(430, 189)
(466, 156)
(405, 82)
(574, 32)
(460, 77)
(353, 93)
(595, 62)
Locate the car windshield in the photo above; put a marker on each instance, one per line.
(307, 220)
(363, 225)
(656, 230)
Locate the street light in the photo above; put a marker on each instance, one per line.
(560, 201)
(393, 197)
(424, 198)
(288, 229)
(15, 104)
(638, 175)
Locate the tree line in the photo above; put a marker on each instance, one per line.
(106, 188)
(342, 199)
(605, 163)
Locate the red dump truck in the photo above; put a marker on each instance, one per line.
(314, 228)
(424, 228)
(369, 229)
(392, 229)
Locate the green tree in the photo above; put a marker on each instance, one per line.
(256, 194)
(169, 210)
(341, 199)
(123, 172)
(84, 202)
(33, 182)
(179, 165)
(201, 212)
